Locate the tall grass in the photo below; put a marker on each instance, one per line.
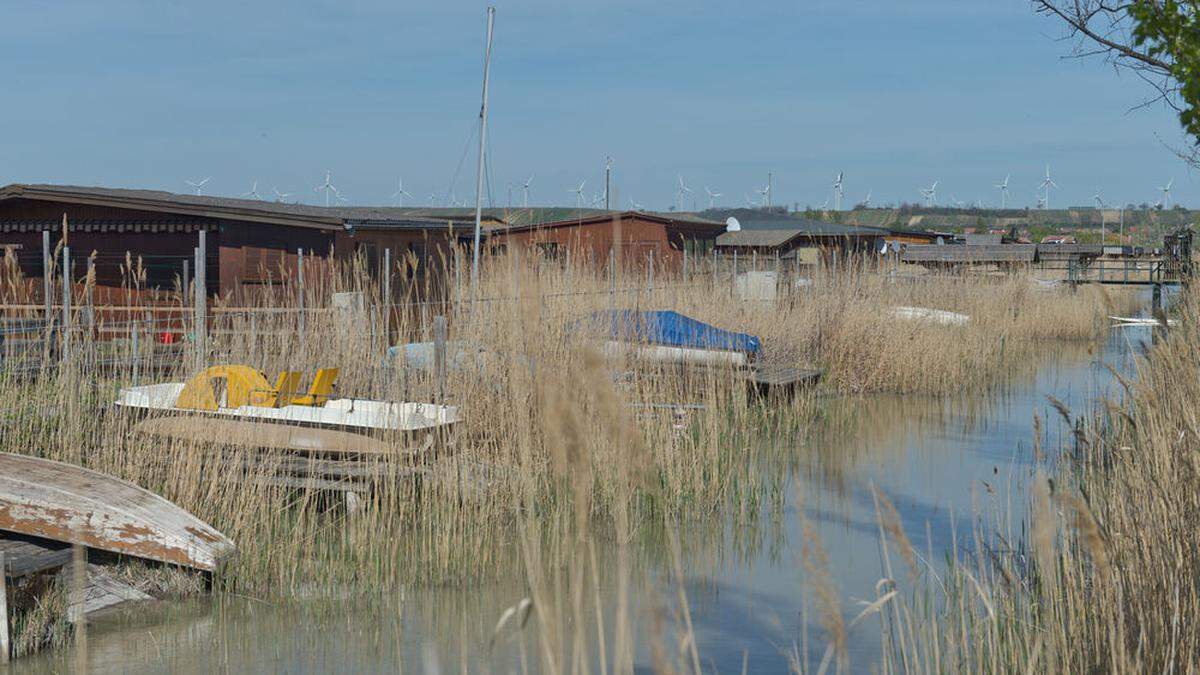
(1105, 577)
(558, 448)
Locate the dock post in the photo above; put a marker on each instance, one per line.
(650, 272)
(685, 262)
(5, 644)
(47, 291)
(1156, 299)
(66, 303)
(439, 354)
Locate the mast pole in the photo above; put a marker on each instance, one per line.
(487, 64)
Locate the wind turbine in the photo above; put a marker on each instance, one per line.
(712, 196)
(252, 193)
(196, 185)
(1046, 185)
(930, 194)
(326, 187)
(1165, 189)
(1003, 188)
(867, 202)
(837, 192)
(1041, 201)
(634, 205)
(766, 193)
(598, 199)
(750, 203)
(1099, 199)
(578, 194)
(400, 193)
(525, 191)
(825, 206)
(280, 196)
(683, 189)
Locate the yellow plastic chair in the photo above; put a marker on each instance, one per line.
(321, 388)
(284, 391)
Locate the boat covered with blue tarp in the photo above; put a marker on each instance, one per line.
(670, 329)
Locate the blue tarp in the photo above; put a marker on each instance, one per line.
(669, 328)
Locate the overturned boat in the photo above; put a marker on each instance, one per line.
(67, 503)
(235, 404)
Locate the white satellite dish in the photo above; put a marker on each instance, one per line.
(732, 225)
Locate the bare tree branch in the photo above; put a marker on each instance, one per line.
(1104, 24)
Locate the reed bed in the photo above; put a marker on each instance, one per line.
(1105, 574)
(559, 447)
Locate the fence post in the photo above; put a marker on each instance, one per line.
(651, 271)
(439, 354)
(201, 309)
(47, 290)
(91, 297)
(387, 296)
(66, 303)
(300, 291)
(733, 274)
(135, 353)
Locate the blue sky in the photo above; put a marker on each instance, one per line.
(895, 94)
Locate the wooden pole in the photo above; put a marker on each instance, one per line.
(440, 331)
(47, 290)
(5, 644)
(201, 309)
(66, 302)
(387, 296)
(300, 291)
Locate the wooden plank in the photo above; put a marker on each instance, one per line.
(779, 376)
(69, 503)
(256, 434)
(102, 592)
(25, 555)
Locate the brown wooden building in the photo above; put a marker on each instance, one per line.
(248, 242)
(636, 237)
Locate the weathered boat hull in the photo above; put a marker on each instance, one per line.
(68, 503)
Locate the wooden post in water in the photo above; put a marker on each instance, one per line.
(5, 645)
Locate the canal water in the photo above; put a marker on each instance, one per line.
(943, 462)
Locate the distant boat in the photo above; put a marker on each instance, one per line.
(1120, 321)
(68, 503)
(667, 337)
(932, 316)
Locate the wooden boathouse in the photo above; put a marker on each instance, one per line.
(249, 242)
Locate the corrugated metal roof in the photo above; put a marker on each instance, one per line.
(233, 207)
(757, 238)
(962, 254)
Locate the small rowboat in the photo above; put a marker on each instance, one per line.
(68, 503)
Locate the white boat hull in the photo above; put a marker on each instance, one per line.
(338, 413)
